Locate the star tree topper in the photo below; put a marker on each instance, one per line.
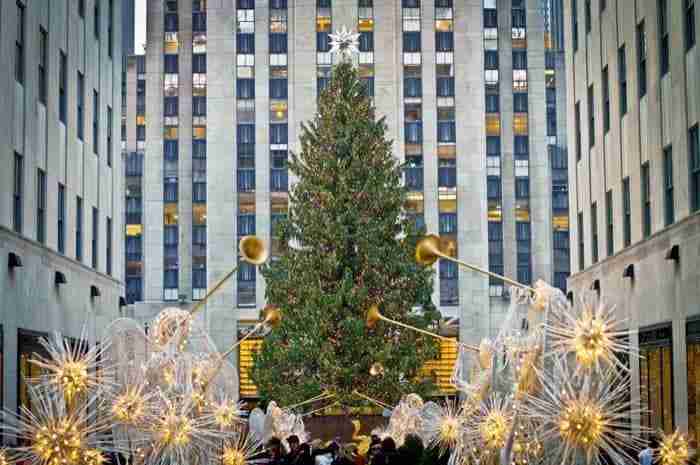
(344, 42)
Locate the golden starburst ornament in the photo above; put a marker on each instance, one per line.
(5, 457)
(489, 425)
(241, 450)
(130, 407)
(673, 449)
(442, 427)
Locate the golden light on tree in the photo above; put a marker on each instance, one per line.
(673, 449)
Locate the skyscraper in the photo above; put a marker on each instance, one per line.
(215, 106)
(61, 197)
(634, 162)
(128, 26)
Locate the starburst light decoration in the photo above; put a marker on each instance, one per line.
(344, 43)
(442, 427)
(5, 458)
(673, 449)
(241, 449)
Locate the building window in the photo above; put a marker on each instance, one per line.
(29, 347)
(663, 38)
(110, 124)
(108, 241)
(80, 99)
(574, 24)
(609, 224)
(689, 24)
(693, 366)
(669, 214)
(606, 100)
(627, 212)
(622, 78)
(43, 46)
(694, 155)
(591, 118)
(19, 44)
(61, 222)
(577, 130)
(594, 232)
(642, 59)
(581, 247)
(81, 8)
(588, 15)
(96, 17)
(62, 83)
(95, 122)
(656, 379)
(41, 206)
(646, 201)
(95, 235)
(18, 193)
(110, 35)
(79, 229)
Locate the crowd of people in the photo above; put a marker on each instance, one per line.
(380, 452)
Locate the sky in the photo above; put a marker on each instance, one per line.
(140, 29)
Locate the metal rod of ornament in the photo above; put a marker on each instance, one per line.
(428, 251)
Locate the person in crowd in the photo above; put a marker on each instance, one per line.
(374, 447)
(293, 443)
(411, 451)
(303, 456)
(343, 456)
(387, 454)
(646, 456)
(274, 452)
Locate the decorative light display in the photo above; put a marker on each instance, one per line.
(673, 449)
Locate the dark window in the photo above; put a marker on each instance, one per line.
(19, 44)
(41, 206)
(95, 235)
(61, 221)
(448, 223)
(521, 147)
(594, 232)
(490, 18)
(18, 193)
(245, 88)
(108, 241)
(81, 8)
(577, 130)
(574, 24)
(522, 188)
(491, 59)
(444, 41)
(79, 229)
(97, 19)
(646, 201)
(199, 106)
(493, 146)
(519, 59)
(43, 63)
(366, 41)
(689, 24)
(110, 124)
(170, 193)
(493, 187)
(581, 247)
(199, 63)
(518, 18)
(445, 87)
(110, 35)
(447, 173)
(199, 21)
(642, 59)
(62, 85)
(669, 214)
(80, 104)
(171, 22)
(622, 78)
(171, 63)
(627, 212)
(591, 117)
(588, 15)
(199, 149)
(664, 50)
(492, 101)
(278, 133)
(520, 102)
(603, 5)
(95, 122)
(609, 224)
(412, 87)
(245, 43)
(694, 155)
(278, 42)
(170, 106)
(278, 89)
(411, 41)
(606, 100)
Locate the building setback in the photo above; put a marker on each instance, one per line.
(61, 175)
(634, 165)
(469, 92)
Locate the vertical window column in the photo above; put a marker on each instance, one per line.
(413, 110)
(279, 202)
(171, 91)
(646, 200)
(493, 147)
(245, 139)
(61, 219)
(446, 148)
(323, 44)
(41, 206)
(365, 27)
(694, 164)
(199, 149)
(18, 193)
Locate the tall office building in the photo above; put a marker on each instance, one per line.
(128, 26)
(61, 259)
(634, 164)
(468, 90)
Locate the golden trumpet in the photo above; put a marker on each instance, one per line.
(253, 250)
(430, 249)
(271, 316)
(374, 316)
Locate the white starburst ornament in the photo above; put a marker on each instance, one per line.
(344, 43)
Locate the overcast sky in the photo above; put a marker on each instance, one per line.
(140, 30)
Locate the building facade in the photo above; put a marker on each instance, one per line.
(468, 90)
(634, 165)
(61, 175)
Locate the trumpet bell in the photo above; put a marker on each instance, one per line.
(428, 250)
(271, 316)
(253, 250)
(373, 316)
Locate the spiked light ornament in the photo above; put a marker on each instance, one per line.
(674, 449)
(130, 407)
(442, 427)
(5, 457)
(227, 414)
(489, 425)
(241, 450)
(344, 43)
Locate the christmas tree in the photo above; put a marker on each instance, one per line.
(351, 247)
